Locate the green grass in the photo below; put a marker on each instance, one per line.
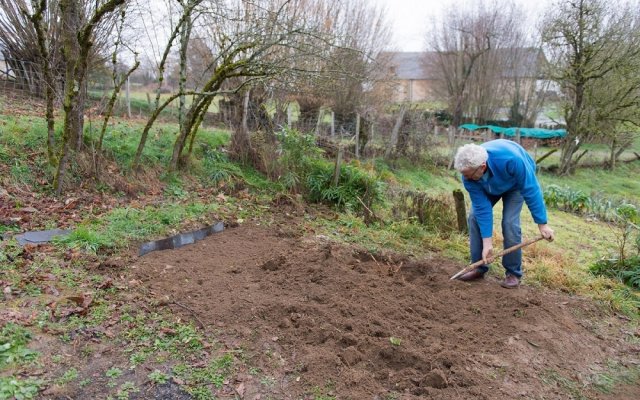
(118, 228)
(122, 138)
(214, 373)
(24, 138)
(617, 184)
(140, 103)
(426, 179)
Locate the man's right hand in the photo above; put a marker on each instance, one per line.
(487, 250)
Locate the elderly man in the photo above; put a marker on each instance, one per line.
(500, 169)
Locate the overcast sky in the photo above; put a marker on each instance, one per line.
(409, 18)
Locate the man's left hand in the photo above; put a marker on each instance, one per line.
(546, 232)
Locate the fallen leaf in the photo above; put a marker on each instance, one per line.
(106, 284)
(240, 390)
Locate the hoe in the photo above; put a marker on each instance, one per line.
(500, 254)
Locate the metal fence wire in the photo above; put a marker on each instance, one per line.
(26, 77)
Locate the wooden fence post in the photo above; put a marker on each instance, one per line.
(336, 172)
(333, 124)
(128, 97)
(357, 135)
(461, 211)
(319, 121)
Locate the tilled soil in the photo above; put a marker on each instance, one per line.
(316, 316)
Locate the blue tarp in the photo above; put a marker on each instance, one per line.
(537, 133)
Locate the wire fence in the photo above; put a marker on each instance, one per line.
(367, 134)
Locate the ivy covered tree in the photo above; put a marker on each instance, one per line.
(594, 49)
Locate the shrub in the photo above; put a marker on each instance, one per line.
(625, 270)
(303, 170)
(623, 266)
(356, 187)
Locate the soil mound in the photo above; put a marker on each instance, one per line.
(311, 313)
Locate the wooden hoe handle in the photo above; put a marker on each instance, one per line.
(500, 254)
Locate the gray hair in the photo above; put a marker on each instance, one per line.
(470, 156)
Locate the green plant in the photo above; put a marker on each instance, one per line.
(614, 374)
(298, 152)
(355, 188)
(86, 239)
(13, 341)
(268, 381)
(70, 375)
(19, 389)
(137, 358)
(218, 169)
(113, 373)
(214, 374)
(158, 377)
(125, 390)
(552, 377)
(395, 341)
(623, 266)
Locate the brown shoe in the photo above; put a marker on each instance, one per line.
(510, 282)
(473, 275)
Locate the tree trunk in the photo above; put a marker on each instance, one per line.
(49, 80)
(147, 128)
(194, 131)
(185, 33)
(76, 46)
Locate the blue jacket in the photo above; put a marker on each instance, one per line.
(509, 167)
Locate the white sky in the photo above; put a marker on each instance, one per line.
(410, 18)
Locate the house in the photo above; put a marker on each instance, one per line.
(4, 69)
(416, 76)
(409, 75)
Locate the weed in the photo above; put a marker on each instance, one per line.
(137, 358)
(518, 313)
(13, 339)
(615, 374)
(158, 377)
(113, 373)
(552, 377)
(323, 393)
(174, 189)
(70, 375)
(268, 381)
(395, 341)
(125, 390)
(214, 374)
(19, 389)
(21, 173)
(85, 239)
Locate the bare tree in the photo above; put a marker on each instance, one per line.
(118, 79)
(595, 50)
(474, 54)
(39, 10)
(78, 39)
